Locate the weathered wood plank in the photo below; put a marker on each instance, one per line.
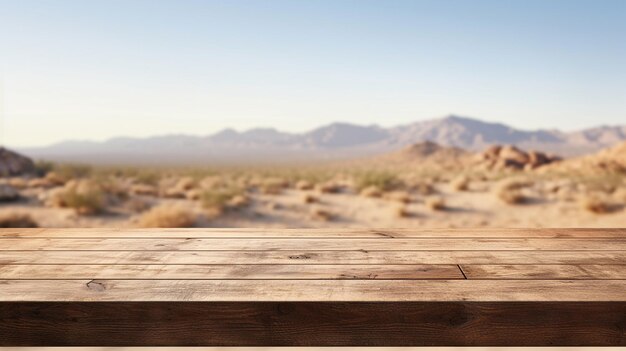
(426, 244)
(329, 233)
(313, 324)
(230, 272)
(313, 257)
(545, 271)
(313, 290)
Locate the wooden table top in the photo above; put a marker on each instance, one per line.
(352, 265)
(312, 287)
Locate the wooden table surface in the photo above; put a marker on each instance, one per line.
(312, 287)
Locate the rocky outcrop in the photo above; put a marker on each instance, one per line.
(14, 164)
(509, 157)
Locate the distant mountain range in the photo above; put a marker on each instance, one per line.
(334, 141)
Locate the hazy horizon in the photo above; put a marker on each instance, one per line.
(95, 70)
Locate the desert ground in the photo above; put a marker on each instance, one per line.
(425, 185)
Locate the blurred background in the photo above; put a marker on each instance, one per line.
(313, 114)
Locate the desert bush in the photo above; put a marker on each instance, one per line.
(167, 216)
(272, 186)
(143, 189)
(509, 190)
(371, 191)
(398, 195)
(309, 198)
(423, 188)
(321, 214)
(401, 211)
(18, 182)
(42, 167)
(17, 220)
(67, 172)
(460, 183)
(596, 203)
(435, 203)
(84, 196)
(304, 185)
(328, 187)
(385, 181)
(238, 201)
(218, 199)
(186, 183)
(137, 204)
(147, 178)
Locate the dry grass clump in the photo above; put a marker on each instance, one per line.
(309, 198)
(304, 185)
(167, 216)
(435, 203)
(510, 190)
(186, 183)
(460, 183)
(137, 205)
(273, 186)
(401, 211)
(321, 214)
(86, 197)
(385, 181)
(218, 200)
(17, 220)
(143, 189)
(596, 203)
(18, 182)
(328, 187)
(400, 196)
(371, 191)
(424, 188)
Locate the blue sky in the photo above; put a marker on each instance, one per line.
(97, 69)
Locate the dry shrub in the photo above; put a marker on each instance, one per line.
(185, 183)
(596, 203)
(401, 211)
(193, 194)
(304, 185)
(371, 191)
(273, 186)
(510, 190)
(137, 205)
(86, 197)
(55, 178)
(460, 183)
(17, 220)
(424, 188)
(328, 187)
(40, 183)
(435, 203)
(174, 193)
(143, 189)
(385, 181)
(218, 199)
(18, 182)
(309, 198)
(238, 201)
(321, 214)
(167, 216)
(400, 196)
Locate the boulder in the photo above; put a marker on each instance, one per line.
(14, 164)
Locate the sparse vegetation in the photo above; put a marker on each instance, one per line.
(435, 203)
(321, 214)
(385, 181)
(167, 216)
(85, 196)
(510, 190)
(17, 220)
(596, 203)
(460, 183)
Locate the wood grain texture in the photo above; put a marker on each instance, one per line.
(588, 272)
(282, 272)
(313, 257)
(312, 287)
(331, 233)
(313, 324)
(313, 290)
(404, 244)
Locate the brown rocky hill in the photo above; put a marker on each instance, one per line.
(14, 164)
(509, 157)
(609, 160)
